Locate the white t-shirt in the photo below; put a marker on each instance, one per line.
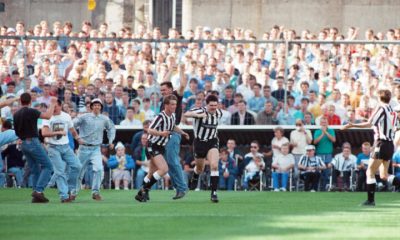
(61, 122)
(283, 161)
(301, 140)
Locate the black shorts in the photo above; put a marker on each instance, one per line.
(153, 150)
(383, 150)
(201, 148)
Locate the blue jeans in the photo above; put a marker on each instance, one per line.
(62, 156)
(38, 162)
(2, 179)
(327, 158)
(140, 174)
(173, 160)
(91, 155)
(280, 176)
(227, 183)
(18, 173)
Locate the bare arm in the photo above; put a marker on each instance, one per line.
(50, 110)
(8, 102)
(183, 79)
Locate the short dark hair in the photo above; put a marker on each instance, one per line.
(211, 98)
(167, 84)
(385, 95)
(6, 124)
(25, 98)
(169, 98)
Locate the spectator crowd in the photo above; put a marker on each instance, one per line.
(327, 84)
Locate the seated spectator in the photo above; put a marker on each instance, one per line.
(267, 116)
(129, 121)
(105, 155)
(286, 114)
(342, 164)
(332, 118)
(188, 164)
(396, 164)
(310, 167)
(256, 103)
(242, 116)
(13, 156)
(121, 163)
(149, 114)
(362, 166)
(253, 168)
(227, 170)
(282, 164)
(142, 162)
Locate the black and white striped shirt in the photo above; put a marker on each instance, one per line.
(315, 161)
(206, 128)
(385, 122)
(161, 123)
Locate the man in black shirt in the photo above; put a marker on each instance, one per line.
(25, 124)
(173, 146)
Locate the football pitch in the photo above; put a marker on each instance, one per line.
(239, 215)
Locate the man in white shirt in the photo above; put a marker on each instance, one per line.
(342, 165)
(60, 153)
(129, 121)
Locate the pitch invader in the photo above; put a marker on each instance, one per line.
(384, 121)
(206, 143)
(159, 134)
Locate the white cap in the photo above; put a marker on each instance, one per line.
(9, 30)
(310, 147)
(119, 145)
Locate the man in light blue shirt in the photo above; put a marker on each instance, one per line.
(91, 126)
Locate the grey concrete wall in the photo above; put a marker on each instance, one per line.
(261, 15)
(33, 11)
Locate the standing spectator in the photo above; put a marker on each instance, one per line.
(311, 167)
(324, 139)
(332, 118)
(25, 122)
(279, 93)
(268, 97)
(267, 116)
(110, 107)
(227, 170)
(91, 127)
(299, 139)
(282, 164)
(228, 96)
(129, 120)
(278, 141)
(362, 165)
(242, 116)
(60, 153)
(122, 164)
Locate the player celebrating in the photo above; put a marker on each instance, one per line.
(160, 131)
(384, 120)
(206, 143)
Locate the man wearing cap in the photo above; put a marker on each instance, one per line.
(91, 126)
(311, 167)
(61, 155)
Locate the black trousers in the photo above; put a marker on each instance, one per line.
(345, 175)
(311, 180)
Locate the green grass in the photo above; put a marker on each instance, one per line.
(239, 215)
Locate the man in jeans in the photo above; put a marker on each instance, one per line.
(25, 124)
(60, 153)
(171, 149)
(91, 126)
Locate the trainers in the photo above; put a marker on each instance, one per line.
(276, 190)
(141, 196)
(193, 183)
(38, 197)
(96, 196)
(283, 189)
(368, 204)
(214, 197)
(72, 197)
(67, 200)
(178, 195)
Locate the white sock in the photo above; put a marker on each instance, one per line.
(146, 179)
(214, 173)
(371, 181)
(156, 176)
(390, 179)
